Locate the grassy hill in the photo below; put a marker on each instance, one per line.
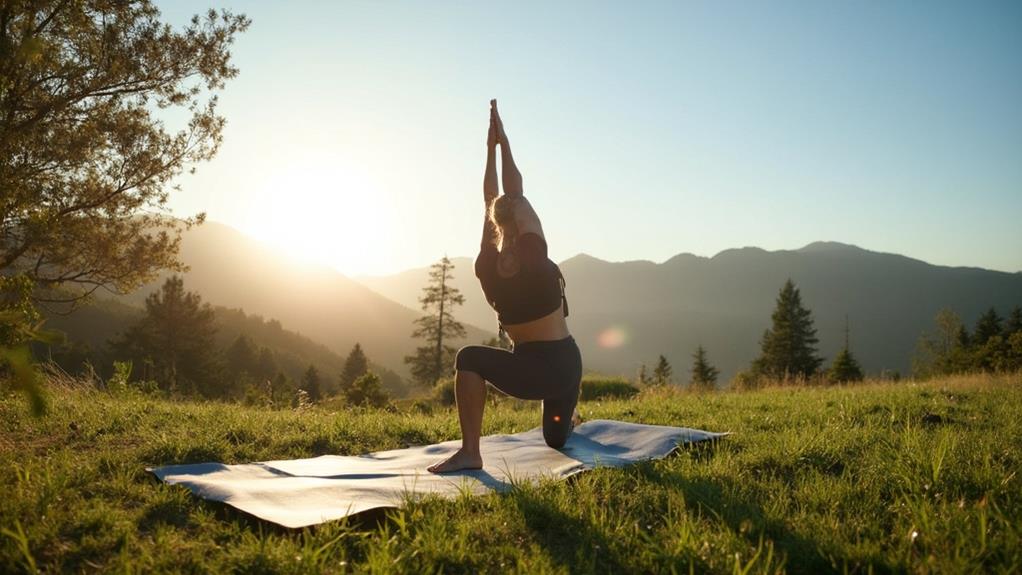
(917, 477)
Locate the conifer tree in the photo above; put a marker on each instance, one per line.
(438, 326)
(1013, 324)
(175, 339)
(311, 383)
(241, 356)
(662, 372)
(845, 367)
(788, 348)
(355, 366)
(644, 378)
(266, 366)
(704, 375)
(987, 326)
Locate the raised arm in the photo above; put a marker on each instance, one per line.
(490, 189)
(509, 171)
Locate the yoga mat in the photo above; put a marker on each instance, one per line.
(301, 492)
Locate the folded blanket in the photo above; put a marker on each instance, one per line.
(301, 492)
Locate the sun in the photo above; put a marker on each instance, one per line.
(324, 212)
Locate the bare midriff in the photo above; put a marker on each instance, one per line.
(550, 327)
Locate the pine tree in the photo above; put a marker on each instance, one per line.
(987, 326)
(266, 366)
(662, 372)
(788, 348)
(241, 356)
(845, 367)
(355, 366)
(433, 361)
(704, 375)
(1013, 324)
(644, 378)
(311, 383)
(175, 342)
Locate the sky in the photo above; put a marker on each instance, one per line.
(356, 129)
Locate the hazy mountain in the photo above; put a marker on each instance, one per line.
(406, 288)
(230, 269)
(640, 309)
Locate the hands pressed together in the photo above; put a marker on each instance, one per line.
(496, 134)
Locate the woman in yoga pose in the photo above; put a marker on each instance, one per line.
(526, 290)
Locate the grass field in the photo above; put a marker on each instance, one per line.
(873, 478)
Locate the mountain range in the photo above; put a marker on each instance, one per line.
(623, 314)
(227, 268)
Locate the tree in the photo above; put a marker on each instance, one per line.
(85, 153)
(241, 357)
(945, 350)
(788, 348)
(266, 365)
(987, 326)
(662, 372)
(1013, 324)
(432, 361)
(366, 390)
(704, 375)
(644, 378)
(175, 340)
(845, 367)
(355, 366)
(311, 384)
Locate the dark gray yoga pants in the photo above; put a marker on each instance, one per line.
(546, 370)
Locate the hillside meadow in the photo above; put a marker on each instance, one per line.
(877, 477)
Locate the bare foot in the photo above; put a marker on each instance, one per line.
(460, 460)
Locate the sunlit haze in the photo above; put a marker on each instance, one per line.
(356, 130)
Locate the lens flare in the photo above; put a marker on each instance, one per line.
(612, 337)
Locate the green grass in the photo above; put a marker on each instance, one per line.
(873, 478)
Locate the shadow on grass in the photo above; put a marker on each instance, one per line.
(740, 507)
(573, 543)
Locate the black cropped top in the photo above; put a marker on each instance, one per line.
(534, 292)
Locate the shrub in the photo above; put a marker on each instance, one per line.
(601, 387)
(443, 391)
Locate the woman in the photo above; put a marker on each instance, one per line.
(526, 290)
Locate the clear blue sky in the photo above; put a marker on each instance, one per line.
(356, 129)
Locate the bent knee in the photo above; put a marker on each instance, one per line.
(467, 358)
(556, 435)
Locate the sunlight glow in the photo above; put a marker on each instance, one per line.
(612, 337)
(320, 211)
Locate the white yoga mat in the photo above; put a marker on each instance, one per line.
(302, 492)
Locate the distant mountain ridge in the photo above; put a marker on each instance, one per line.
(232, 270)
(724, 303)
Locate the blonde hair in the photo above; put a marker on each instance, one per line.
(502, 216)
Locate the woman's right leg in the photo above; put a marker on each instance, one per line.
(470, 393)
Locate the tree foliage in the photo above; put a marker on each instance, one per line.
(663, 372)
(355, 366)
(174, 342)
(86, 157)
(788, 348)
(438, 326)
(995, 345)
(366, 390)
(704, 375)
(845, 368)
(311, 383)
